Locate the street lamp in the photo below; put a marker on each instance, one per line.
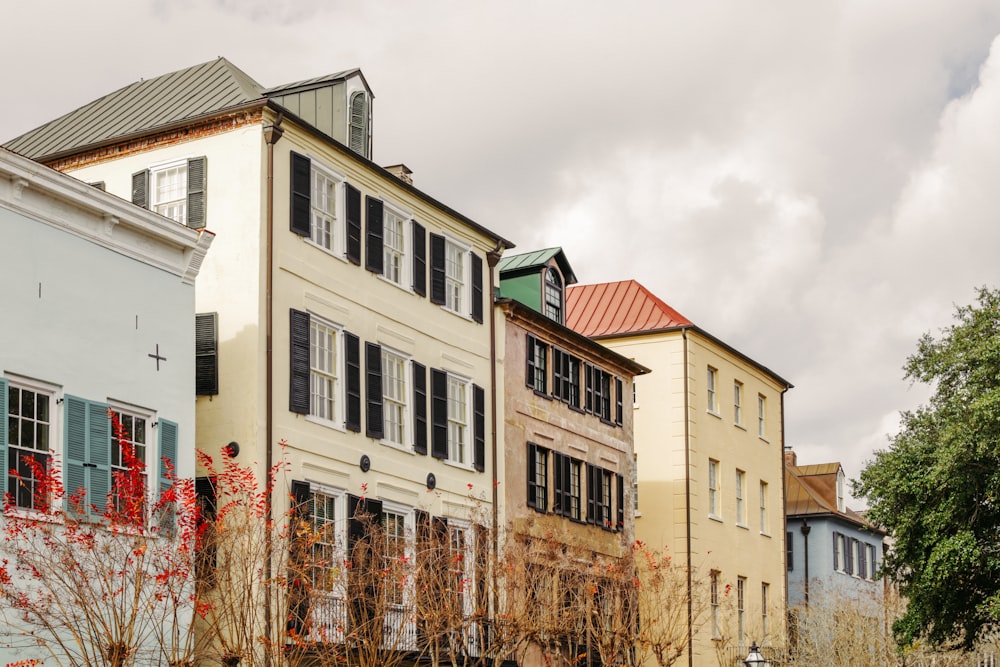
(755, 659)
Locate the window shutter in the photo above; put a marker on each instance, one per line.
(479, 437)
(88, 452)
(3, 430)
(593, 477)
(374, 229)
(849, 543)
(196, 192)
(353, 198)
(352, 362)
(437, 269)
(168, 453)
(439, 414)
(588, 374)
(373, 390)
(419, 258)
(862, 561)
(620, 482)
(140, 188)
(298, 554)
(619, 400)
(836, 559)
(790, 551)
(419, 408)
(301, 195)
(476, 266)
(206, 336)
(75, 477)
(529, 368)
(298, 389)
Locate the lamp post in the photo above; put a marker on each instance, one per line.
(754, 658)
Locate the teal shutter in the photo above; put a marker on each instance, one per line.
(74, 476)
(88, 453)
(197, 174)
(99, 431)
(3, 433)
(168, 453)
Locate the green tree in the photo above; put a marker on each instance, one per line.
(937, 486)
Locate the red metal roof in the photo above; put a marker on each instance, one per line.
(622, 307)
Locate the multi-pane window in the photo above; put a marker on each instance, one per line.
(598, 392)
(711, 376)
(323, 203)
(713, 488)
(538, 477)
(741, 609)
(603, 496)
(537, 366)
(460, 566)
(841, 482)
(455, 276)
(324, 379)
(741, 505)
(29, 423)
(394, 395)
(327, 550)
(133, 435)
(566, 486)
(393, 245)
(553, 295)
(761, 412)
(872, 565)
(168, 191)
(458, 420)
(763, 508)
(713, 599)
(765, 603)
(394, 526)
(738, 402)
(566, 377)
(839, 559)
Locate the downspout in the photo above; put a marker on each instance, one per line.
(272, 133)
(784, 507)
(805, 558)
(492, 259)
(687, 501)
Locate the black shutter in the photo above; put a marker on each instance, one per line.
(588, 375)
(140, 188)
(206, 336)
(353, 224)
(789, 552)
(301, 195)
(374, 229)
(299, 549)
(836, 560)
(352, 361)
(196, 188)
(477, 287)
(373, 390)
(419, 408)
(619, 400)
(479, 420)
(437, 269)
(593, 474)
(298, 389)
(361, 583)
(620, 481)
(529, 368)
(439, 414)
(419, 258)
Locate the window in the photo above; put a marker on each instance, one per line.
(761, 419)
(28, 422)
(566, 377)
(872, 565)
(553, 295)
(538, 478)
(861, 558)
(599, 496)
(738, 403)
(537, 367)
(713, 488)
(327, 513)
(789, 551)
(393, 245)
(841, 506)
(839, 564)
(741, 505)
(458, 420)
(323, 204)
(763, 508)
(168, 191)
(357, 130)
(394, 525)
(741, 610)
(461, 564)
(175, 190)
(206, 345)
(765, 603)
(324, 376)
(598, 392)
(134, 435)
(566, 486)
(394, 398)
(710, 380)
(850, 549)
(454, 277)
(713, 598)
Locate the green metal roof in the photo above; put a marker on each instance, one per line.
(537, 259)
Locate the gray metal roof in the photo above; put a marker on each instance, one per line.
(184, 94)
(317, 82)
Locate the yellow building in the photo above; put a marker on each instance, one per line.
(708, 427)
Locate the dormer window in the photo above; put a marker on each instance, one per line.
(553, 295)
(840, 490)
(357, 132)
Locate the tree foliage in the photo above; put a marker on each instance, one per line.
(937, 486)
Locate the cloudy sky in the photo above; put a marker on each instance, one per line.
(813, 182)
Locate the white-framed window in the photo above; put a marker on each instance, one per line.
(741, 505)
(31, 436)
(741, 610)
(328, 510)
(765, 604)
(135, 424)
(713, 489)
(711, 379)
(168, 190)
(325, 344)
(841, 483)
(461, 563)
(395, 394)
(553, 295)
(394, 255)
(456, 277)
(459, 406)
(738, 403)
(398, 526)
(763, 508)
(872, 565)
(839, 553)
(713, 599)
(761, 415)
(357, 128)
(326, 209)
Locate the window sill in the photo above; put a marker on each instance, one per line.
(540, 393)
(401, 286)
(763, 439)
(456, 313)
(740, 426)
(742, 525)
(319, 421)
(765, 534)
(398, 447)
(716, 517)
(714, 413)
(460, 466)
(332, 252)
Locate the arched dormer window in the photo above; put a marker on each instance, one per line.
(357, 133)
(841, 505)
(553, 295)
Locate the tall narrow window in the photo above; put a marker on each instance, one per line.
(394, 526)
(323, 376)
(393, 245)
(327, 546)
(713, 599)
(765, 604)
(713, 488)
(566, 485)
(763, 508)
(741, 505)
(28, 426)
(553, 295)
(357, 137)
(761, 416)
(710, 380)
(455, 277)
(538, 477)
(841, 481)
(741, 610)
(395, 395)
(168, 191)
(323, 203)
(458, 420)
(537, 366)
(133, 432)
(738, 403)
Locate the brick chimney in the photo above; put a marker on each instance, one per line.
(790, 458)
(402, 172)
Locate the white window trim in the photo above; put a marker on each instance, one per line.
(712, 510)
(152, 444)
(465, 308)
(405, 272)
(713, 404)
(762, 417)
(468, 561)
(338, 234)
(738, 404)
(740, 493)
(407, 400)
(409, 541)
(338, 390)
(469, 426)
(339, 527)
(56, 418)
(159, 167)
(765, 509)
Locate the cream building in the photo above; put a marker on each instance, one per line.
(708, 425)
(343, 311)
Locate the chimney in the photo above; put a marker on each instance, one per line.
(402, 172)
(790, 458)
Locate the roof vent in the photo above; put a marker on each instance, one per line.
(402, 172)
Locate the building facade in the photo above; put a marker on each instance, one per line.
(708, 425)
(98, 315)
